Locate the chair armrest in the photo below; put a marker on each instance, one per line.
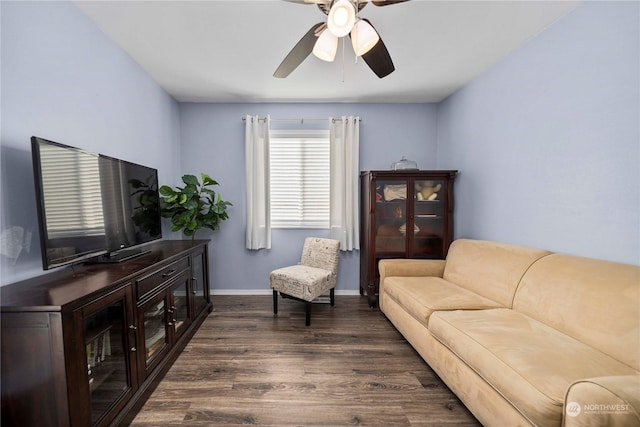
(612, 401)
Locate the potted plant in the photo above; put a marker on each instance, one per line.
(193, 206)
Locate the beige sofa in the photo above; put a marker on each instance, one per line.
(524, 336)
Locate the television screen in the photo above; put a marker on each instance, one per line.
(91, 205)
(130, 203)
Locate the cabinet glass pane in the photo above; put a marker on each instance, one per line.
(180, 307)
(104, 333)
(155, 334)
(429, 216)
(391, 217)
(200, 298)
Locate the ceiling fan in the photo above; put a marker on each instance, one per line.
(342, 20)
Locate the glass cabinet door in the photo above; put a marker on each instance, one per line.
(198, 283)
(109, 342)
(391, 218)
(404, 214)
(428, 218)
(163, 318)
(153, 320)
(179, 312)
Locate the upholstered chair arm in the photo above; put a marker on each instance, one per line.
(604, 401)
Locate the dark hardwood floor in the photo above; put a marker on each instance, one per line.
(350, 367)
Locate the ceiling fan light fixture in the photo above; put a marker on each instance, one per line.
(326, 46)
(341, 18)
(363, 37)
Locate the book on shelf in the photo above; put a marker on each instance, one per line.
(98, 348)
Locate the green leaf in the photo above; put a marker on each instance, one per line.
(165, 190)
(190, 180)
(208, 181)
(190, 191)
(184, 216)
(191, 205)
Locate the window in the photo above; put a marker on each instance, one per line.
(299, 162)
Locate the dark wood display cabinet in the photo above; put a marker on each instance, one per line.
(86, 346)
(404, 214)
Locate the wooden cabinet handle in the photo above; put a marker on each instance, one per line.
(169, 273)
(133, 329)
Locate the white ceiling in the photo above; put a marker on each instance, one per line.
(227, 51)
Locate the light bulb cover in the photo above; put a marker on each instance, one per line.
(363, 37)
(326, 46)
(341, 18)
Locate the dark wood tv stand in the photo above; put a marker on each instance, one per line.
(87, 346)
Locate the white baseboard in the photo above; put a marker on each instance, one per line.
(269, 292)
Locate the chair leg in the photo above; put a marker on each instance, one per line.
(275, 302)
(332, 296)
(307, 312)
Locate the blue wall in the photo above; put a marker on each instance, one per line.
(63, 79)
(547, 141)
(213, 142)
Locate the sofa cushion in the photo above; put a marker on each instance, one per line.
(421, 296)
(490, 269)
(594, 301)
(526, 361)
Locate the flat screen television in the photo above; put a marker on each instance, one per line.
(91, 206)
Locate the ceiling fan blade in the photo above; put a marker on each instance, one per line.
(299, 53)
(378, 58)
(386, 2)
(309, 1)
(361, 3)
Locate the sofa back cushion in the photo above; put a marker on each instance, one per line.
(597, 302)
(490, 269)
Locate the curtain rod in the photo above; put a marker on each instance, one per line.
(301, 120)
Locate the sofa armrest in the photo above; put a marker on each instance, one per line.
(410, 267)
(611, 401)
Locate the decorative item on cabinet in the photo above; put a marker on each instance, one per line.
(404, 164)
(395, 201)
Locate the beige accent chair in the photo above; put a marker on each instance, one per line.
(315, 275)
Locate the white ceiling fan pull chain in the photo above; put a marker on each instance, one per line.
(343, 71)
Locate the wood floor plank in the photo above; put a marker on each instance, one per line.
(246, 366)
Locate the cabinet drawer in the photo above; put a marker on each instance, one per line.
(151, 281)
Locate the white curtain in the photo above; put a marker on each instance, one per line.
(344, 220)
(258, 227)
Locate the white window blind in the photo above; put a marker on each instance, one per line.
(299, 164)
(70, 175)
